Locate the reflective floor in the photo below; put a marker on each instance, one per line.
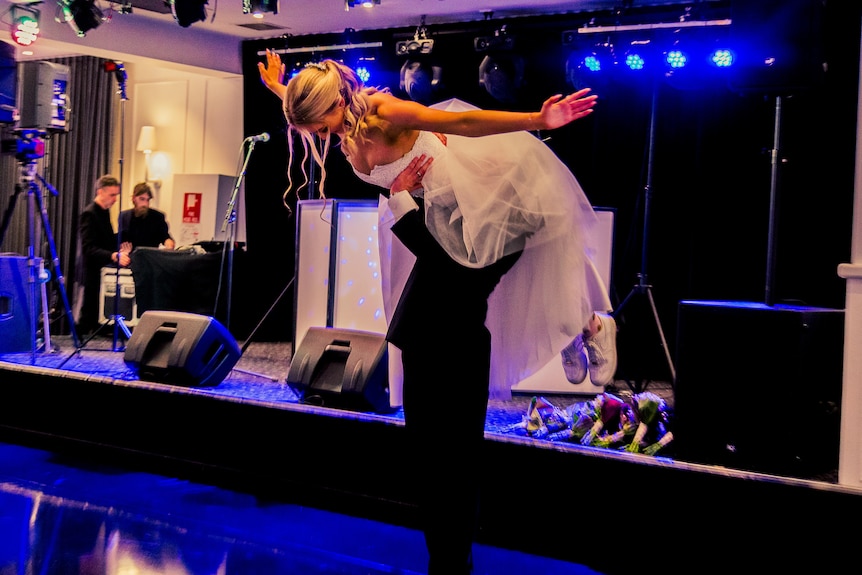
(61, 515)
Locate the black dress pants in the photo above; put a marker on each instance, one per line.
(439, 325)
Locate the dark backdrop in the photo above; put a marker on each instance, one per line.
(710, 173)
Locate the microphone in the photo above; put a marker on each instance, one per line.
(264, 137)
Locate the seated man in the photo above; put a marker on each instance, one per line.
(143, 226)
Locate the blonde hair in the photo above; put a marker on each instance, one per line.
(313, 93)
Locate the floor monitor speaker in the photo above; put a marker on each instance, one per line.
(759, 387)
(15, 321)
(342, 368)
(181, 348)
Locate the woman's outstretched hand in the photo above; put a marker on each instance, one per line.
(558, 110)
(272, 72)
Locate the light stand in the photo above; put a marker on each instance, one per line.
(116, 318)
(643, 288)
(773, 203)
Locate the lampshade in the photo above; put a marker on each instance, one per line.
(147, 139)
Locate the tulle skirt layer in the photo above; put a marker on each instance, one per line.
(488, 197)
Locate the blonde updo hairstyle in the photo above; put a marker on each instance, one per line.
(313, 93)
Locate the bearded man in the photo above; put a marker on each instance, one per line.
(142, 225)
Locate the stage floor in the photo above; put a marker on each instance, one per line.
(251, 435)
(261, 373)
(60, 514)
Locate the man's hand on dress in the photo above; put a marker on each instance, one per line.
(410, 177)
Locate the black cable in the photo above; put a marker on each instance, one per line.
(266, 315)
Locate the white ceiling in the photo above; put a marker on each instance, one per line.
(151, 31)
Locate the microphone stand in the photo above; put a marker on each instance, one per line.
(230, 221)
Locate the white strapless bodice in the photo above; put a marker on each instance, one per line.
(383, 176)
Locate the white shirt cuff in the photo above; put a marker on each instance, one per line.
(401, 203)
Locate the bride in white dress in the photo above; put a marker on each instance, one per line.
(492, 189)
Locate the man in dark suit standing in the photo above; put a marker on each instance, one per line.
(143, 226)
(97, 247)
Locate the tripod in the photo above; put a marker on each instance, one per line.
(642, 287)
(29, 175)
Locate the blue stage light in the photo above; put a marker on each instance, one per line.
(722, 58)
(634, 61)
(676, 59)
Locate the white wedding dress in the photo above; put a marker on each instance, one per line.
(490, 196)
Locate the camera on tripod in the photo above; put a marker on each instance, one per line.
(30, 146)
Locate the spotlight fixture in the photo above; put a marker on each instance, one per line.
(187, 12)
(419, 78)
(420, 44)
(82, 15)
(722, 58)
(258, 8)
(25, 24)
(592, 65)
(501, 71)
(499, 41)
(348, 4)
(638, 57)
(502, 75)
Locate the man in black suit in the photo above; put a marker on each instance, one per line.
(97, 247)
(439, 325)
(143, 226)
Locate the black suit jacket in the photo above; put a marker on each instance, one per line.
(146, 232)
(442, 300)
(96, 242)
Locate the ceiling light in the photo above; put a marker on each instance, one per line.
(419, 77)
(258, 8)
(25, 24)
(82, 15)
(187, 12)
(348, 4)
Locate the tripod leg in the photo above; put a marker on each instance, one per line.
(46, 323)
(120, 324)
(55, 259)
(661, 336)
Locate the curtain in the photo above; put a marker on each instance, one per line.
(73, 160)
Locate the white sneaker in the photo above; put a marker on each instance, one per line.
(601, 350)
(575, 360)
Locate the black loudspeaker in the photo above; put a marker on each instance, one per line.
(181, 348)
(15, 315)
(779, 45)
(8, 83)
(42, 96)
(342, 368)
(759, 387)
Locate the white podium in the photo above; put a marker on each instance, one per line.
(338, 283)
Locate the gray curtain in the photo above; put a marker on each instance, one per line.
(73, 161)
